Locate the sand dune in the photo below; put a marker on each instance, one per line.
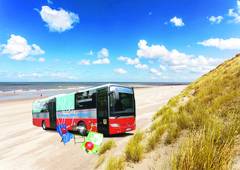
(24, 146)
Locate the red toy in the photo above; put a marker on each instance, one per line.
(89, 145)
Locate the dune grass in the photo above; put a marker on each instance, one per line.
(115, 163)
(134, 149)
(154, 138)
(107, 146)
(209, 109)
(100, 160)
(210, 115)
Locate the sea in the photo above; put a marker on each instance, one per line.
(29, 90)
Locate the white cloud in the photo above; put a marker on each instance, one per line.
(178, 22)
(84, 62)
(174, 59)
(153, 51)
(120, 71)
(58, 20)
(41, 59)
(141, 66)
(223, 44)
(102, 61)
(129, 60)
(18, 48)
(155, 72)
(103, 55)
(215, 19)
(235, 13)
(136, 62)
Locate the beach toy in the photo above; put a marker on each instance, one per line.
(63, 132)
(89, 145)
(92, 142)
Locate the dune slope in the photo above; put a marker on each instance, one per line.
(209, 109)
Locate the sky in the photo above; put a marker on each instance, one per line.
(117, 40)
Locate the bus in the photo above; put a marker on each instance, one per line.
(108, 109)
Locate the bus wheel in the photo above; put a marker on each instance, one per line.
(44, 125)
(82, 130)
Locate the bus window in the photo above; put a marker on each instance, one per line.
(86, 100)
(44, 107)
(123, 105)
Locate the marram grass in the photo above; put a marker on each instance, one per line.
(211, 115)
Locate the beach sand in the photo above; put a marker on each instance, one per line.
(24, 146)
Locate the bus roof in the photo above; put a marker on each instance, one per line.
(105, 85)
(82, 90)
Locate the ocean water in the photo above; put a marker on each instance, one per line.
(27, 90)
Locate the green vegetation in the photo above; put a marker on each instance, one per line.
(100, 161)
(154, 138)
(134, 149)
(210, 109)
(115, 163)
(106, 146)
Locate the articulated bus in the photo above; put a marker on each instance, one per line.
(108, 109)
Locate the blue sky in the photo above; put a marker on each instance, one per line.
(116, 40)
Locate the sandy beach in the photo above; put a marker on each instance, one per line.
(24, 146)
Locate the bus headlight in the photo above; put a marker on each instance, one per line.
(114, 125)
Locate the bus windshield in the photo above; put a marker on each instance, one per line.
(122, 103)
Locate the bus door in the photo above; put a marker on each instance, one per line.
(52, 113)
(102, 111)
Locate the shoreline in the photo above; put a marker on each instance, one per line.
(29, 95)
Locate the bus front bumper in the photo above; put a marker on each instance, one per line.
(121, 125)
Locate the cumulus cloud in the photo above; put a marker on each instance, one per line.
(215, 19)
(102, 61)
(133, 61)
(18, 48)
(153, 51)
(120, 71)
(223, 44)
(235, 13)
(174, 59)
(128, 60)
(58, 20)
(141, 66)
(84, 62)
(103, 55)
(178, 22)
